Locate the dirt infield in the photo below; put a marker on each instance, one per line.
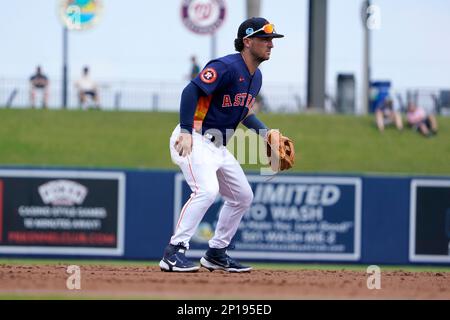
(149, 282)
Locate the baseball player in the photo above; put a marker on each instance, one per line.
(212, 104)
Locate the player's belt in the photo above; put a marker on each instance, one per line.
(216, 141)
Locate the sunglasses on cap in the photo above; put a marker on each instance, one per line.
(267, 28)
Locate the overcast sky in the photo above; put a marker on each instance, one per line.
(145, 39)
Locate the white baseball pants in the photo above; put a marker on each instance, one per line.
(210, 170)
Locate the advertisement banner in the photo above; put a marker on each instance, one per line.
(291, 218)
(429, 221)
(62, 212)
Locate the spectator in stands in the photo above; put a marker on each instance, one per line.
(87, 88)
(195, 69)
(39, 84)
(386, 114)
(419, 120)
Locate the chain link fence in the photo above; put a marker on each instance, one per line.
(165, 96)
(143, 95)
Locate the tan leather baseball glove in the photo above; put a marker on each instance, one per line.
(280, 151)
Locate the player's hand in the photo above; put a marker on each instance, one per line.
(183, 145)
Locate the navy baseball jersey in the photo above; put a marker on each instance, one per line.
(230, 92)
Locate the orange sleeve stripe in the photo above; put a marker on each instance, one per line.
(203, 105)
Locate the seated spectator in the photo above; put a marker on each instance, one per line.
(386, 115)
(419, 120)
(87, 88)
(39, 84)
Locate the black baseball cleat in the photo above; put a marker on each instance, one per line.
(174, 260)
(218, 259)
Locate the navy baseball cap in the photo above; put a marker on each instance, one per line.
(257, 27)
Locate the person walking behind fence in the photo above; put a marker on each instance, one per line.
(87, 88)
(39, 85)
(195, 68)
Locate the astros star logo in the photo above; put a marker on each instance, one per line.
(209, 75)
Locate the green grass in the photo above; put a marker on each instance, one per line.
(324, 143)
(347, 267)
(66, 261)
(87, 139)
(353, 144)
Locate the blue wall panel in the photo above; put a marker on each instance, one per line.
(149, 213)
(385, 220)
